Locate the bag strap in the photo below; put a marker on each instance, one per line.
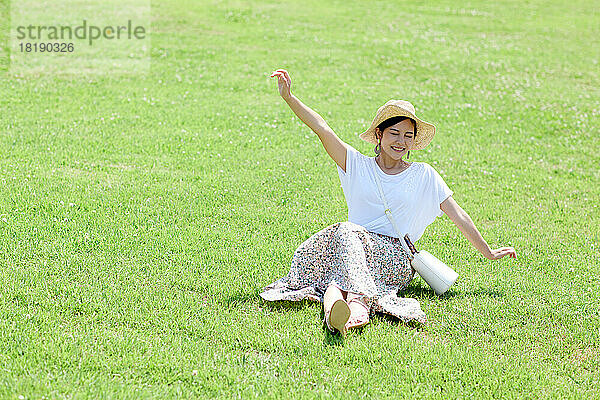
(388, 211)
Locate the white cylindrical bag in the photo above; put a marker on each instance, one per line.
(437, 274)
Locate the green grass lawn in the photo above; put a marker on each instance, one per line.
(140, 215)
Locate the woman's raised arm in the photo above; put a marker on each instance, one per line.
(467, 227)
(334, 146)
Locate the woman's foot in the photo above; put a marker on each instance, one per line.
(336, 309)
(359, 313)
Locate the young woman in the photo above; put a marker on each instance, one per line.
(359, 266)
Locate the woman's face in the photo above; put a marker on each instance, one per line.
(397, 139)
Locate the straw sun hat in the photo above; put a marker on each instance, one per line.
(395, 108)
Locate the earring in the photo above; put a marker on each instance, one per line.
(378, 148)
(408, 155)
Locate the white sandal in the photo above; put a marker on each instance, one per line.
(338, 316)
(366, 307)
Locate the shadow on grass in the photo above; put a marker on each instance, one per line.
(336, 339)
(247, 298)
(395, 321)
(418, 291)
(237, 298)
(332, 339)
(285, 305)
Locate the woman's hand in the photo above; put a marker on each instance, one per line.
(501, 252)
(284, 82)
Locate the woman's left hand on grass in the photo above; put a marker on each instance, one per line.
(501, 252)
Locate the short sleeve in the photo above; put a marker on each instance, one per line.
(441, 191)
(352, 156)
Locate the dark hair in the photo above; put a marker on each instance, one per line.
(393, 121)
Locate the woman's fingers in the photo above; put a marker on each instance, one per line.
(279, 71)
(287, 77)
(280, 76)
(505, 251)
(284, 82)
(284, 74)
(511, 252)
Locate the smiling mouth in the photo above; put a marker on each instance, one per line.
(398, 149)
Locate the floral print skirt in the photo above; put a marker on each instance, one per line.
(355, 260)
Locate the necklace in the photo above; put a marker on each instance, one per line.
(405, 165)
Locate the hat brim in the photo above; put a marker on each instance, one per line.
(425, 130)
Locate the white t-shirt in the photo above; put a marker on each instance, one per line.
(414, 195)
